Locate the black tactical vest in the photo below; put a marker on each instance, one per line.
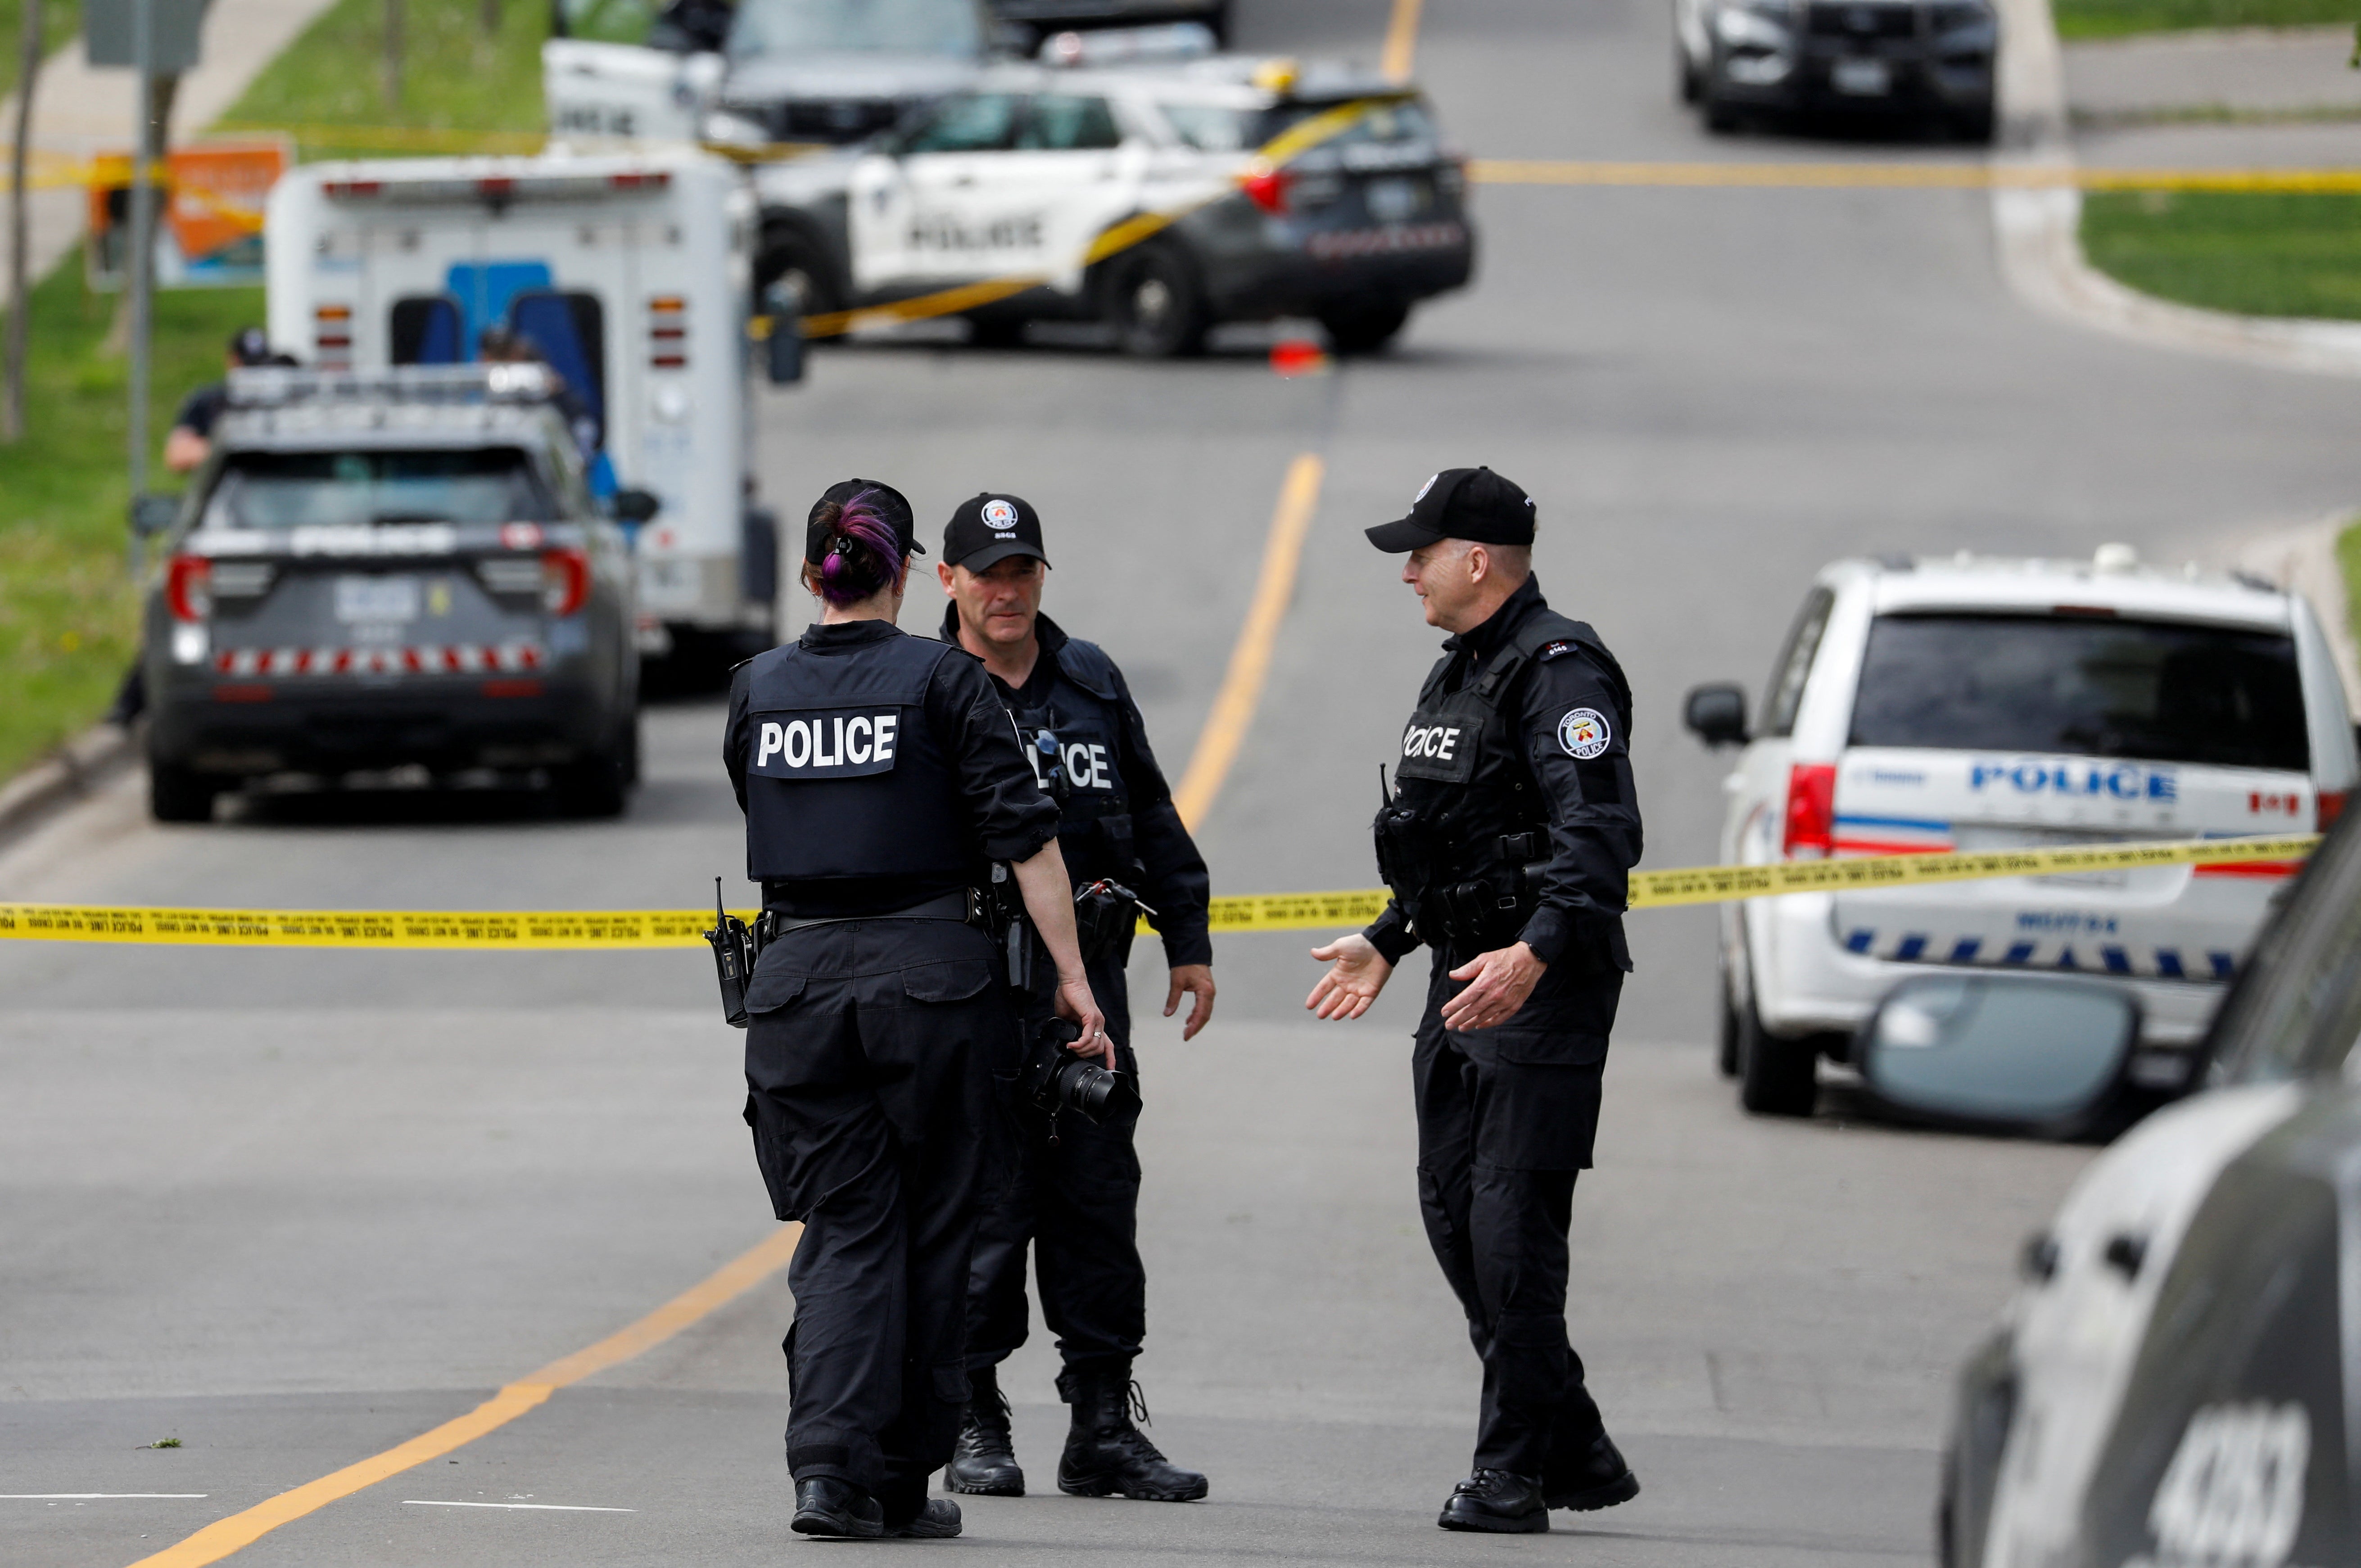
(844, 778)
(1468, 820)
(1083, 716)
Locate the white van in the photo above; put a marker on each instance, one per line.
(1977, 703)
(631, 275)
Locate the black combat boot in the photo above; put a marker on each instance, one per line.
(938, 1518)
(985, 1462)
(825, 1505)
(1106, 1455)
(1593, 1476)
(1496, 1502)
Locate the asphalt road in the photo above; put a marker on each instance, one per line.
(293, 1209)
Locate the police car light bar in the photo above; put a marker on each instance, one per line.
(270, 387)
(1129, 46)
(497, 188)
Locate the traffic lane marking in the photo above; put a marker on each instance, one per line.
(1903, 176)
(725, 1285)
(1401, 42)
(1234, 704)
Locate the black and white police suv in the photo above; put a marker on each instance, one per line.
(379, 570)
(1021, 175)
(2177, 1382)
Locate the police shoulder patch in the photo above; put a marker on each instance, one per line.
(1553, 650)
(1583, 733)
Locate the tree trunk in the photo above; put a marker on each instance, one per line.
(12, 407)
(488, 12)
(394, 56)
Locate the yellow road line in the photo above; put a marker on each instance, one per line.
(1402, 41)
(1241, 692)
(1905, 176)
(733, 1279)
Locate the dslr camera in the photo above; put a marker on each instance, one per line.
(1054, 1078)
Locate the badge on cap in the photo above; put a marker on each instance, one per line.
(999, 514)
(1423, 488)
(1583, 733)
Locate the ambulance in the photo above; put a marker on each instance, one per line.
(1967, 704)
(629, 274)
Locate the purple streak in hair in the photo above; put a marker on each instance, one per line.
(863, 557)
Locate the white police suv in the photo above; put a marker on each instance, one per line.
(1021, 177)
(1981, 704)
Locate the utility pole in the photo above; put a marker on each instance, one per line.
(20, 307)
(143, 233)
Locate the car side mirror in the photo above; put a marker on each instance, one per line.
(152, 514)
(1716, 712)
(635, 506)
(2001, 1052)
(783, 345)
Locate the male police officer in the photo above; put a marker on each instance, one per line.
(1506, 849)
(880, 777)
(1077, 1193)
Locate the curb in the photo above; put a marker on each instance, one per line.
(2039, 232)
(71, 773)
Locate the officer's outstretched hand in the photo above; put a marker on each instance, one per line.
(1196, 983)
(1356, 972)
(1497, 984)
(1076, 1006)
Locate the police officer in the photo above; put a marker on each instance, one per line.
(1506, 846)
(1076, 1196)
(880, 779)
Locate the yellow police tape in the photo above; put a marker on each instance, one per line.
(576, 930)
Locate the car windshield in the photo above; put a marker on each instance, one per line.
(1215, 128)
(856, 26)
(345, 490)
(2085, 686)
(2297, 1010)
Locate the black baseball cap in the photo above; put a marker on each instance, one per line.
(889, 504)
(990, 528)
(1460, 503)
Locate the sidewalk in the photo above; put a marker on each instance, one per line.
(78, 110)
(2250, 98)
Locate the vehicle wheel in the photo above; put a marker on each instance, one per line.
(1726, 1057)
(1720, 115)
(790, 255)
(1365, 329)
(1974, 126)
(597, 785)
(995, 330)
(1155, 303)
(1686, 75)
(176, 794)
(1775, 1077)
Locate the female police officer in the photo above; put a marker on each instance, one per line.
(880, 778)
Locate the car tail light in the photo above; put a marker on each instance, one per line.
(1265, 188)
(2330, 805)
(188, 587)
(1811, 811)
(564, 580)
(668, 333)
(331, 337)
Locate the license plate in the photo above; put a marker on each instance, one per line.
(1393, 200)
(377, 598)
(1862, 78)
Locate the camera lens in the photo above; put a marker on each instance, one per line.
(1094, 1092)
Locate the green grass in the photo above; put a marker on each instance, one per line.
(2259, 253)
(68, 622)
(458, 82)
(60, 20)
(2115, 18)
(2348, 557)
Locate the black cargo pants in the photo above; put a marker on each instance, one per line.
(1506, 1118)
(1076, 1201)
(869, 1076)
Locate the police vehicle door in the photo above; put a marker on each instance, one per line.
(921, 211)
(1073, 172)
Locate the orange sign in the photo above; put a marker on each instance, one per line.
(211, 196)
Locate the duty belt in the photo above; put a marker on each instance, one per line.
(966, 906)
